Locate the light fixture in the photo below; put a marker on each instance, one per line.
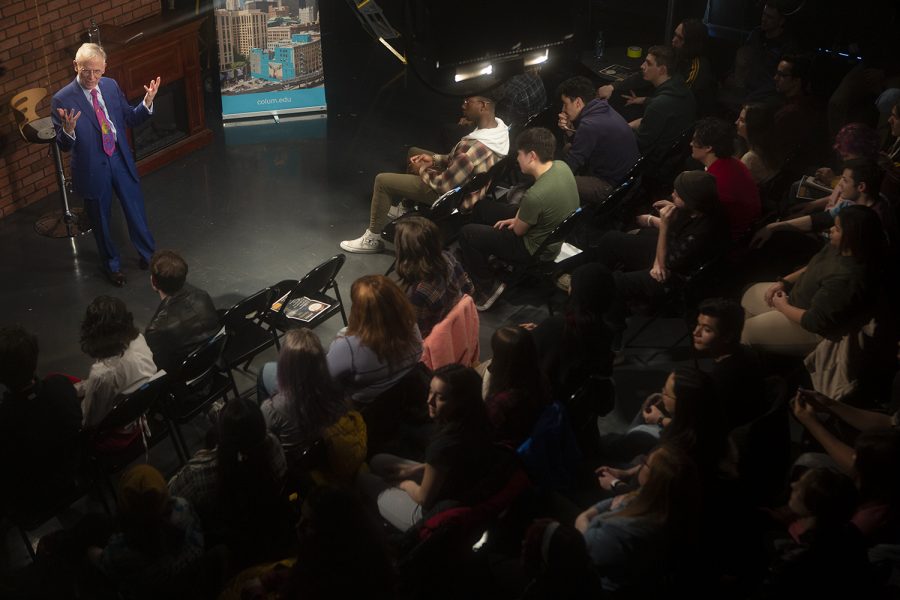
(472, 71)
(537, 57)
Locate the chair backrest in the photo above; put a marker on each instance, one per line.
(250, 308)
(24, 106)
(129, 408)
(203, 361)
(319, 279)
(561, 232)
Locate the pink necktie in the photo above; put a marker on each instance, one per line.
(109, 138)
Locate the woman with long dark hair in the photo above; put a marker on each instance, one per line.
(432, 278)
(828, 297)
(122, 359)
(381, 343)
(517, 390)
(307, 401)
(458, 460)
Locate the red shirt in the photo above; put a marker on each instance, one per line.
(737, 193)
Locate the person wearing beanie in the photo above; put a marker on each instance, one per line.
(689, 231)
(159, 536)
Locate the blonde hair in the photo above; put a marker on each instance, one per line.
(89, 51)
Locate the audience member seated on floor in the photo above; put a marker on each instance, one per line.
(432, 278)
(689, 43)
(380, 344)
(826, 555)
(556, 561)
(600, 147)
(858, 180)
(713, 146)
(435, 174)
(577, 344)
(159, 537)
(122, 360)
(872, 461)
(670, 110)
(517, 390)
(185, 317)
(827, 298)
(236, 486)
(736, 371)
(853, 141)
(685, 413)
(801, 122)
(514, 233)
(755, 126)
(638, 539)
(521, 96)
(689, 232)
(757, 60)
(458, 461)
(304, 402)
(40, 421)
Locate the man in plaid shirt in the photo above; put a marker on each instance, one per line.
(438, 173)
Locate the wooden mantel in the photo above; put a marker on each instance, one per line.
(166, 46)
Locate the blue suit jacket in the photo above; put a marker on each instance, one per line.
(88, 159)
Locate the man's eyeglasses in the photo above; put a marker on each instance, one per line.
(468, 101)
(91, 72)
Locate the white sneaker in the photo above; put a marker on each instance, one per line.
(368, 243)
(489, 301)
(396, 211)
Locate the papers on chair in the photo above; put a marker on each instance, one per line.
(616, 72)
(811, 189)
(305, 309)
(567, 250)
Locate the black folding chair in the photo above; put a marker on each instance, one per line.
(314, 286)
(143, 404)
(248, 332)
(541, 269)
(199, 382)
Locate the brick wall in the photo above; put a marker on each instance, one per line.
(38, 40)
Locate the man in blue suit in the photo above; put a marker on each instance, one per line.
(101, 157)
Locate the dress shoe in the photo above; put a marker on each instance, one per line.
(143, 264)
(117, 278)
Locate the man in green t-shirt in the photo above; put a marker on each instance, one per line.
(514, 233)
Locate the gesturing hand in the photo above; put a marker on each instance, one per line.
(69, 118)
(151, 91)
(667, 214)
(632, 98)
(659, 272)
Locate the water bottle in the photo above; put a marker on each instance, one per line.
(599, 45)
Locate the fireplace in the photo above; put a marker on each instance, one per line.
(168, 125)
(164, 46)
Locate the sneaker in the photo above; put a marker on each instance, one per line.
(396, 211)
(368, 243)
(488, 302)
(564, 282)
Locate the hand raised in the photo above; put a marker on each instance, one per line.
(69, 118)
(150, 91)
